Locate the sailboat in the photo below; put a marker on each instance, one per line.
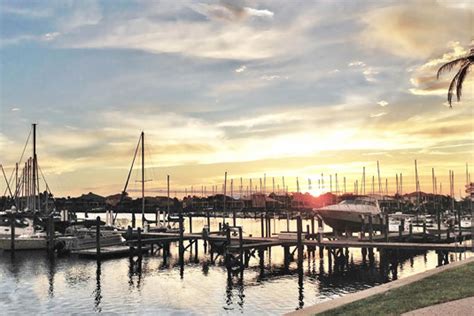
(28, 235)
(162, 222)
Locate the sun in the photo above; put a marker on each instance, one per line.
(315, 192)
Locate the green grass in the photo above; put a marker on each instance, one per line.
(443, 287)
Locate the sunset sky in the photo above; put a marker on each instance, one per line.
(285, 88)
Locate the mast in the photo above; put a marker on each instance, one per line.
(34, 168)
(363, 180)
(417, 185)
(16, 185)
(143, 177)
(168, 199)
(225, 192)
(378, 175)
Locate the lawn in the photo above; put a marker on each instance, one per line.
(446, 286)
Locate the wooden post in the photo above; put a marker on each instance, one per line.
(181, 232)
(438, 218)
(387, 227)
(208, 221)
(307, 231)
(97, 237)
(196, 246)
(50, 232)
(261, 257)
(362, 228)
(130, 236)
(312, 228)
(330, 259)
(269, 225)
(299, 225)
(241, 243)
(287, 221)
(286, 252)
(139, 237)
(190, 224)
(371, 228)
(262, 228)
(410, 230)
(12, 232)
(320, 229)
(424, 229)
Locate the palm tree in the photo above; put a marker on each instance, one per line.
(464, 63)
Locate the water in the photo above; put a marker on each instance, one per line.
(32, 283)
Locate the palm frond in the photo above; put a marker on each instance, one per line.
(451, 88)
(450, 65)
(462, 75)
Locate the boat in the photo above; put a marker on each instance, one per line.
(27, 236)
(466, 222)
(347, 215)
(86, 238)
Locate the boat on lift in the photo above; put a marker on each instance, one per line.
(347, 215)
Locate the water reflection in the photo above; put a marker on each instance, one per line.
(235, 283)
(266, 285)
(51, 273)
(97, 291)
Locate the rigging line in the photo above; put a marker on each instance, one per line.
(44, 179)
(128, 178)
(6, 180)
(148, 156)
(21, 159)
(48, 190)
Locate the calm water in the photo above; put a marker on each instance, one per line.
(33, 284)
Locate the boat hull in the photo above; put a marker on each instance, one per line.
(24, 243)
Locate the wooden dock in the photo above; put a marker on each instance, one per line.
(118, 251)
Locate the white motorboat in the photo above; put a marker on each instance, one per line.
(347, 215)
(26, 236)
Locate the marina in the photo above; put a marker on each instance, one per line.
(236, 157)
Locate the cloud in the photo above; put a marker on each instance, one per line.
(378, 114)
(230, 11)
(34, 13)
(15, 109)
(369, 74)
(241, 68)
(270, 77)
(423, 77)
(356, 63)
(416, 29)
(382, 103)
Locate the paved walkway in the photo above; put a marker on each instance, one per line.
(349, 298)
(460, 307)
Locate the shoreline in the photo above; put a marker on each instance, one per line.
(380, 289)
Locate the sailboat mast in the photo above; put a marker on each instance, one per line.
(167, 200)
(34, 168)
(143, 177)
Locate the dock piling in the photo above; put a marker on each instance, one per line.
(12, 232)
(371, 228)
(299, 225)
(97, 237)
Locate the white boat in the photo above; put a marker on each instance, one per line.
(85, 238)
(347, 215)
(466, 222)
(26, 237)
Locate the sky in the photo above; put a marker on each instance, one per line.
(281, 88)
